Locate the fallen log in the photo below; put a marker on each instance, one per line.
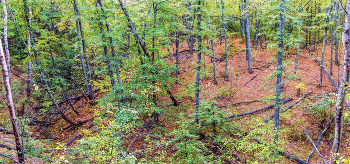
(143, 127)
(257, 110)
(237, 103)
(271, 117)
(72, 140)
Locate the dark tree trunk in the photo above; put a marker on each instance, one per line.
(224, 27)
(213, 53)
(199, 17)
(247, 29)
(279, 71)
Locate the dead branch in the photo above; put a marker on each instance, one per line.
(6, 131)
(9, 157)
(72, 140)
(315, 148)
(144, 126)
(271, 117)
(237, 103)
(257, 110)
(319, 138)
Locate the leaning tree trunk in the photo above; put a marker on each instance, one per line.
(112, 46)
(10, 105)
(247, 29)
(133, 29)
(64, 117)
(279, 71)
(224, 27)
(342, 88)
(89, 71)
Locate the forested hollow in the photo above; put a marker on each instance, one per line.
(175, 81)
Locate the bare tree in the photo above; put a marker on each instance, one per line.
(10, 105)
(342, 87)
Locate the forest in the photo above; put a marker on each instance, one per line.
(174, 81)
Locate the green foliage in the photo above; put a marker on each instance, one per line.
(321, 110)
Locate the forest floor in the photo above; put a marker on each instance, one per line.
(245, 87)
(260, 85)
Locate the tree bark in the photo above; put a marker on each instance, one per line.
(279, 70)
(133, 29)
(89, 71)
(199, 18)
(225, 36)
(296, 60)
(247, 29)
(341, 91)
(40, 69)
(11, 106)
(213, 53)
(7, 52)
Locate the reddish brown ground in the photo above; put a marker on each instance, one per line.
(241, 87)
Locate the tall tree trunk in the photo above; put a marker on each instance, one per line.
(337, 34)
(105, 50)
(224, 27)
(155, 5)
(10, 105)
(29, 80)
(307, 28)
(133, 29)
(177, 49)
(279, 71)
(341, 90)
(296, 60)
(40, 69)
(111, 44)
(7, 52)
(199, 17)
(213, 53)
(89, 71)
(324, 43)
(248, 50)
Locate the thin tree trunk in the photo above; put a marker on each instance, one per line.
(40, 69)
(324, 43)
(199, 17)
(213, 53)
(248, 50)
(7, 52)
(29, 80)
(10, 105)
(224, 27)
(105, 50)
(279, 71)
(154, 28)
(133, 29)
(177, 49)
(112, 47)
(341, 91)
(337, 35)
(296, 60)
(89, 71)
